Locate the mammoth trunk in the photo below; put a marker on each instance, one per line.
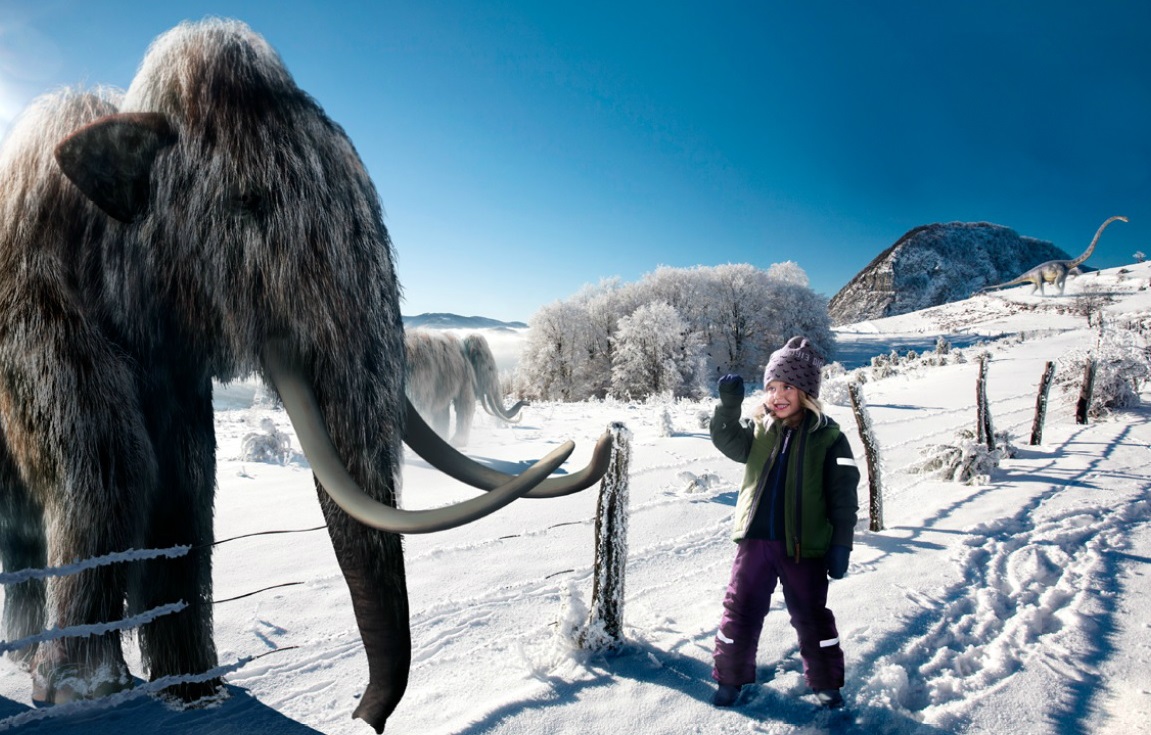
(373, 567)
(361, 416)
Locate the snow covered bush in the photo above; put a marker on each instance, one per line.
(1092, 302)
(967, 460)
(892, 364)
(693, 483)
(834, 386)
(664, 426)
(268, 445)
(703, 419)
(1123, 366)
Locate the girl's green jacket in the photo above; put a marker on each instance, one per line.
(820, 463)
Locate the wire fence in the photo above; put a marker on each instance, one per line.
(1013, 416)
(128, 623)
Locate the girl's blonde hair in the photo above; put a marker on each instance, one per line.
(762, 413)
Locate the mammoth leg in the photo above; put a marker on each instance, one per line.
(22, 546)
(179, 414)
(440, 419)
(72, 422)
(465, 406)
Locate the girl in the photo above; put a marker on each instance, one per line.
(794, 521)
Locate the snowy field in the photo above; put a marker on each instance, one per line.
(1015, 605)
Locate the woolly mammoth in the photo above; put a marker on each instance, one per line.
(488, 389)
(212, 223)
(445, 373)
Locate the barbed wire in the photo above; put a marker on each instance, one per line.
(97, 561)
(264, 533)
(77, 631)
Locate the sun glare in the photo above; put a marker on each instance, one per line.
(28, 61)
(9, 104)
(8, 107)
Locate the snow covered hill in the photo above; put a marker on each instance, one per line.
(938, 264)
(439, 320)
(1018, 604)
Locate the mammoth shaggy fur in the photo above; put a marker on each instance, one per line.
(445, 373)
(211, 223)
(439, 378)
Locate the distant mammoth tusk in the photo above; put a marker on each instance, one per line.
(445, 458)
(304, 412)
(512, 414)
(492, 405)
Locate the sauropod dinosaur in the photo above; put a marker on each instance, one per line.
(1054, 271)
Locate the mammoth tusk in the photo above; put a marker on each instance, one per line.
(511, 414)
(493, 407)
(304, 412)
(445, 458)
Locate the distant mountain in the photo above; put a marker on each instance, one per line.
(938, 264)
(455, 321)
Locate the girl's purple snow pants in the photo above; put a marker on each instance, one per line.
(758, 565)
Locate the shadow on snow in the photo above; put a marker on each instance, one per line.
(240, 714)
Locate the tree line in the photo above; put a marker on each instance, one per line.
(675, 331)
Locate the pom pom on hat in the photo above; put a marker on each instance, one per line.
(798, 364)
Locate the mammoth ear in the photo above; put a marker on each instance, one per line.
(110, 160)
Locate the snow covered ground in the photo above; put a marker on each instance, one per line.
(1016, 605)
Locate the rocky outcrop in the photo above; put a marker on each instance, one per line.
(937, 264)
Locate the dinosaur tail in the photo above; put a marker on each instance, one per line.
(1005, 284)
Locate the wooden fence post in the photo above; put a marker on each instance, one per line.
(871, 451)
(1041, 404)
(984, 430)
(604, 631)
(1085, 392)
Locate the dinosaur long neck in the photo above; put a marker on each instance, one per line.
(1091, 248)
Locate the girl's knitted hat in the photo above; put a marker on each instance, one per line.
(796, 363)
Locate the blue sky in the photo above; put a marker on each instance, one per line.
(523, 149)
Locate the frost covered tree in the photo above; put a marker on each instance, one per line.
(656, 352)
(688, 290)
(738, 318)
(755, 312)
(788, 272)
(796, 309)
(733, 316)
(553, 365)
(603, 306)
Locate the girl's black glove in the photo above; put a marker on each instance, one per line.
(836, 559)
(731, 391)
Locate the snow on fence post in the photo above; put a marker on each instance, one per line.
(1085, 391)
(1041, 404)
(871, 451)
(984, 430)
(604, 631)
